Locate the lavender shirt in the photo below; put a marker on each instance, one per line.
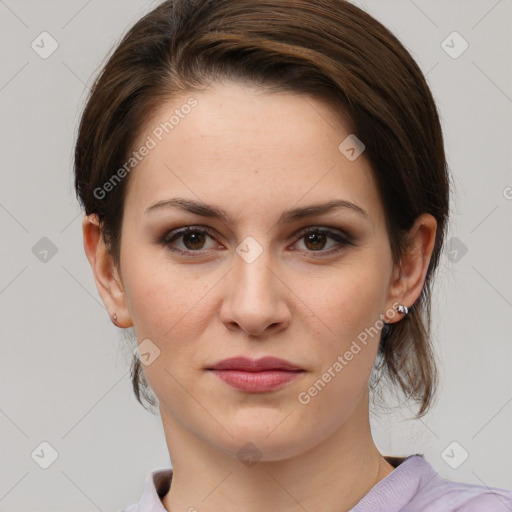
(412, 487)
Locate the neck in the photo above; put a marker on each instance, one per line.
(332, 476)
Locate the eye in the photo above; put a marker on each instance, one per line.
(192, 240)
(316, 240)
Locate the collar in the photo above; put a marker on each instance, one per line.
(411, 474)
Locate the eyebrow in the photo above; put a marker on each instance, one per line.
(287, 217)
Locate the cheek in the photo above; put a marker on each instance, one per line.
(344, 350)
(168, 306)
(348, 306)
(160, 295)
(352, 298)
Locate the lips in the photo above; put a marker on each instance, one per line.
(255, 365)
(256, 375)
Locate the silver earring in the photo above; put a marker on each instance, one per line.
(114, 318)
(402, 309)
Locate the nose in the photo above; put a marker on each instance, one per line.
(255, 300)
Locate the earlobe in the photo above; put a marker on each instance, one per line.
(410, 277)
(105, 272)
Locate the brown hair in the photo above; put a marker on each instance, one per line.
(329, 49)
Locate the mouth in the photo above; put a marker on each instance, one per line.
(256, 375)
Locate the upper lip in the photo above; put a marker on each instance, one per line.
(254, 365)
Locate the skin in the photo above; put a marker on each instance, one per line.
(256, 155)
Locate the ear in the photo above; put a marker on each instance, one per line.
(106, 274)
(409, 277)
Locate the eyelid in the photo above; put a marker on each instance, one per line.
(333, 232)
(174, 234)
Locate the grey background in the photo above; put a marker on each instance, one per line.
(64, 374)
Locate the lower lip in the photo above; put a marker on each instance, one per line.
(256, 382)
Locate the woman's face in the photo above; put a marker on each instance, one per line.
(275, 278)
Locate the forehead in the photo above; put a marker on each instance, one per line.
(233, 144)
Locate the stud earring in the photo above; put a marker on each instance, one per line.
(402, 309)
(114, 318)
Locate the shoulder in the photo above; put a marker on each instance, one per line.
(443, 494)
(156, 486)
(450, 496)
(414, 486)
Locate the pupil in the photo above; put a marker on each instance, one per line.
(316, 239)
(195, 239)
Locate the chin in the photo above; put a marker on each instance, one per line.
(258, 441)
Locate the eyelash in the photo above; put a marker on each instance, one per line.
(342, 240)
